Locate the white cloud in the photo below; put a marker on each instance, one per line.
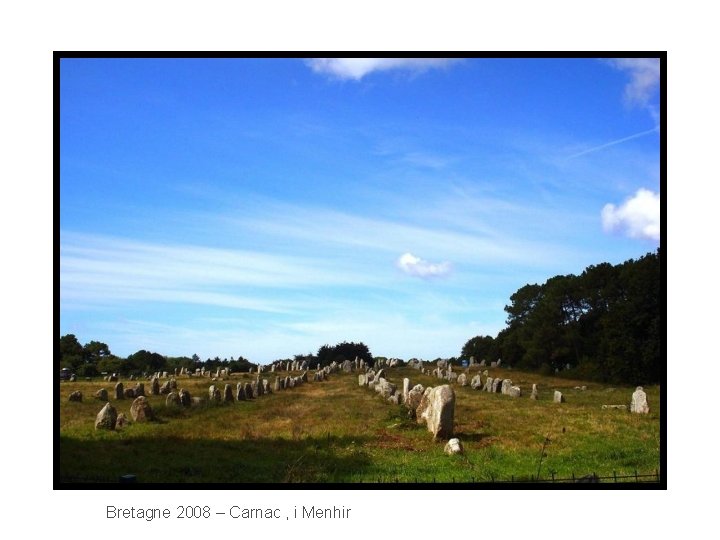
(357, 68)
(644, 78)
(637, 217)
(415, 266)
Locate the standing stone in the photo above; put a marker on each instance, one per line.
(75, 396)
(439, 412)
(534, 393)
(406, 389)
(639, 403)
(73, 378)
(140, 410)
(240, 392)
(380, 374)
(496, 385)
(119, 391)
(488, 384)
(165, 388)
(248, 391)
(102, 394)
(476, 383)
(129, 393)
(173, 400)
(287, 382)
(347, 366)
(362, 379)
(258, 388)
(122, 421)
(462, 379)
(139, 389)
(276, 385)
(155, 387)
(185, 398)
(266, 386)
(499, 361)
(514, 391)
(173, 384)
(414, 396)
(505, 386)
(453, 446)
(485, 373)
(558, 397)
(228, 394)
(493, 364)
(106, 418)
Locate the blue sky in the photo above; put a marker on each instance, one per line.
(263, 208)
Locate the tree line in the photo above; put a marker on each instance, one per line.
(94, 358)
(603, 325)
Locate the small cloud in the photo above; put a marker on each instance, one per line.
(357, 68)
(415, 266)
(637, 217)
(644, 78)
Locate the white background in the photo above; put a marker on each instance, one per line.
(29, 34)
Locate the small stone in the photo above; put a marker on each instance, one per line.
(102, 394)
(139, 389)
(129, 393)
(106, 418)
(618, 407)
(476, 383)
(75, 396)
(558, 397)
(453, 446)
(514, 391)
(122, 421)
(173, 400)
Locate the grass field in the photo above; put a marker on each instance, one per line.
(337, 431)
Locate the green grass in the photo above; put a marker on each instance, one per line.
(336, 431)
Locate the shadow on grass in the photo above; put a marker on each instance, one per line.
(181, 460)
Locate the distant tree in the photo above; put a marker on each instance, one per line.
(71, 352)
(344, 351)
(95, 350)
(478, 347)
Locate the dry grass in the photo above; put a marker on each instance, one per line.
(336, 431)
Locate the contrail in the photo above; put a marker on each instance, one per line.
(613, 143)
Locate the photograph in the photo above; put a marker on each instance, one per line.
(407, 272)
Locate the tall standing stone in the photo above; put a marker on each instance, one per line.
(119, 391)
(462, 379)
(248, 391)
(106, 418)
(558, 397)
(139, 389)
(439, 414)
(406, 389)
(140, 410)
(534, 393)
(155, 387)
(185, 398)
(638, 403)
(505, 386)
(240, 392)
(228, 394)
(496, 385)
(476, 383)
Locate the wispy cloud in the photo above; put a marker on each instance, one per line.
(357, 68)
(415, 266)
(644, 78)
(637, 217)
(613, 143)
